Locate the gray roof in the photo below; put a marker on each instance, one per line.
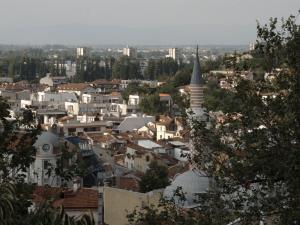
(192, 182)
(196, 75)
(132, 122)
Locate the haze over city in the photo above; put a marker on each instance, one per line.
(137, 22)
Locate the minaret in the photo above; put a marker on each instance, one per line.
(196, 86)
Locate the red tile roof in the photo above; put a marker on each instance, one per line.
(84, 198)
(128, 183)
(103, 81)
(164, 95)
(73, 86)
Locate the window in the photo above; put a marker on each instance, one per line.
(147, 158)
(45, 180)
(70, 108)
(46, 147)
(46, 164)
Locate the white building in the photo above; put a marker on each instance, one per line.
(173, 53)
(56, 97)
(6, 80)
(49, 150)
(134, 100)
(162, 133)
(81, 52)
(53, 80)
(77, 88)
(130, 52)
(193, 184)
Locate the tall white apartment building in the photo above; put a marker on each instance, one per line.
(130, 52)
(80, 52)
(173, 53)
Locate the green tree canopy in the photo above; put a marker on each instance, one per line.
(152, 105)
(16, 155)
(156, 177)
(253, 154)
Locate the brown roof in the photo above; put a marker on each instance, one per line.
(128, 183)
(164, 120)
(65, 118)
(164, 95)
(115, 93)
(100, 138)
(119, 157)
(132, 136)
(11, 87)
(73, 86)
(177, 169)
(103, 81)
(166, 159)
(137, 147)
(84, 198)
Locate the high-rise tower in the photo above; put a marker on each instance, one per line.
(196, 86)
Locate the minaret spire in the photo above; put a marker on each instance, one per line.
(196, 86)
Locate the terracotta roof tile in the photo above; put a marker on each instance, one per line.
(84, 198)
(101, 138)
(128, 183)
(164, 95)
(177, 169)
(73, 86)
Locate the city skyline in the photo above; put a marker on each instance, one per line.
(136, 22)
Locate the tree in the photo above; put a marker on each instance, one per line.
(126, 68)
(152, 105)
(155, 177)
(218, 99)
(134, 88)
(182, 77)
(16, 155)
(254, 153)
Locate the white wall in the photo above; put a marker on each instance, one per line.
(56, 97)
(72, 108)
(178, 152)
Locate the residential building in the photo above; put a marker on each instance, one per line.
(130, 52)
(192, 183)
(49, 149)
(53, 80)
(76, 202)
(173, 53)
(56, 97)
(118, 203)
(80, 52)
(132, 123)
(77, 88)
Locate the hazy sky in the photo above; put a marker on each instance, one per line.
(133, 22)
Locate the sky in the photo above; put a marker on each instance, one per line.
(137, 22)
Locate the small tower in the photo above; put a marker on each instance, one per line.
(196, 86)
